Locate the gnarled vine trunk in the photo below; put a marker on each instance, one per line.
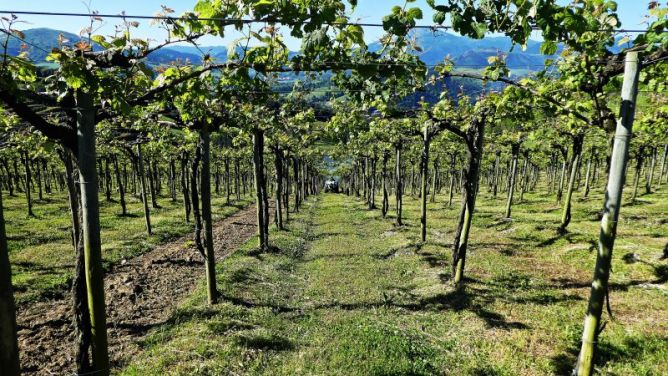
(79, 297)
(471, 176)
(575, 166)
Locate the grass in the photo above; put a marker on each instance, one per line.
(41, 253)
(347, 293)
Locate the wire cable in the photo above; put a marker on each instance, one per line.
(234, 21)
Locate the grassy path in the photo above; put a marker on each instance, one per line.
(350, 294)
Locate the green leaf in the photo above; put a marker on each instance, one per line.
(548, 48)
(101, 40)
(415, 13)
(480, 29)
(439, 18)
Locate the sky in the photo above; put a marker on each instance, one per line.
(631, 13)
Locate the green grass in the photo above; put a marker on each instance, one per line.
(41, 253)
(350, 294)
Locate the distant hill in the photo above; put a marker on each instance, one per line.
(466, 52)
(473, 53)
(165, 56)
(217, 52)
(40, 42)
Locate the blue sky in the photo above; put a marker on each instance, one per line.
(631, 13)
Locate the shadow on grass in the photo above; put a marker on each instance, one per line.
(435, 259)
(36, 238)
(501, 225)
(508, 252)
(42, 269)
(243, 276)
(275, 308)
(224, 327)
(264, 342)
(57, 291)
(128, 215)
(178, 318)
(258, 252)
(570, 237)
(661, 273)
(456, 300)
(630, 351)
(410, 248)
(324, 235)
(635, 203)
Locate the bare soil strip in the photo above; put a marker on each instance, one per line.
(141, 293)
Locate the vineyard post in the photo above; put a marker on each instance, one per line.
(663, 164)
(434, 181)
(613, 198)
(495, 178)
(453, 171)
(205, 176)
(574, 165)
(424, 165)
(278, 164)
(28, 179)
(121, 187)
(398, 184)
(564, 163)
(91, 231)
(512, 177)
(386, 198)
(640, 160)
(144, 194)
(588, 179)
(258, 149)
(650, 173)
(372, 177)
(9, 351)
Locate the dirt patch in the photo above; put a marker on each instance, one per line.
(141, 293)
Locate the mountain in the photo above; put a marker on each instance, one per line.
(465, 52)
(40, 41)
(165, 56)
(217, 52)
(473, 53)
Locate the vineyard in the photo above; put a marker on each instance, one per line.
(481, 191)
